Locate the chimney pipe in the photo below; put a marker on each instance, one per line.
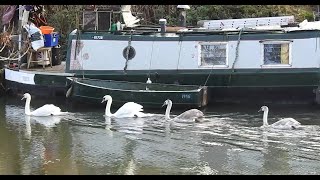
(163, 23)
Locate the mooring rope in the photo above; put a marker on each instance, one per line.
(237, 55)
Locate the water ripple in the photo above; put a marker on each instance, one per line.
(228, 141)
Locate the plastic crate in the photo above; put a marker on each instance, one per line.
(51, 40)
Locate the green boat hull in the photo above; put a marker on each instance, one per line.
(218, 77)
(93, 90)
(281, 86)
(259, 86)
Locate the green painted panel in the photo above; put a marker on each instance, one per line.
(50, 80)
(224, 78)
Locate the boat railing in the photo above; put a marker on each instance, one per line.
(137, 83)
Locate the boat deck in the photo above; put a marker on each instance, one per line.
(39, 68)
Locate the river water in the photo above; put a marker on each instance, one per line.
(229, 141)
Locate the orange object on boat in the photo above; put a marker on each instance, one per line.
(46, 29)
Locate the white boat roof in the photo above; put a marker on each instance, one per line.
(281, 23)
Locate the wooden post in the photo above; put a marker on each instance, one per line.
(317, 95)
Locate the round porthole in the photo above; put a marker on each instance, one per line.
(131, 53)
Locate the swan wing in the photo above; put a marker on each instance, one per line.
(190, 114)
(286, 123)
(46, 110)
(129, 109)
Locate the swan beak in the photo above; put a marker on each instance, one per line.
(22, 98)
(259, 110)
(103, 100)
(163, 104)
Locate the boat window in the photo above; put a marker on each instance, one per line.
(213, 54)
(131, 53)
(276, 53)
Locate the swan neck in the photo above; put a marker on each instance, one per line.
(167, 115)
(27, 106)
(265, 118)
(108, 107)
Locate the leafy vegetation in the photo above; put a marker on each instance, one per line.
(64, 20)
(203, 12)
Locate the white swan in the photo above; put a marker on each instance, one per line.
(129, 109)
(45, 110)
(193, 115)
(286, 123)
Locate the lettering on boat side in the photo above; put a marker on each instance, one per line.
(186, 96)
(25, 78)
(97, 37)
(85, 56)
(20, 77)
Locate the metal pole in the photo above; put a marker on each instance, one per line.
(20, 31)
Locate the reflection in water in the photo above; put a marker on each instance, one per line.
(275, 160)
(47, 121)
(229, 141)
(129, 125)
(108, 125)
(130, 168)
(28, 127)
(37, 143)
